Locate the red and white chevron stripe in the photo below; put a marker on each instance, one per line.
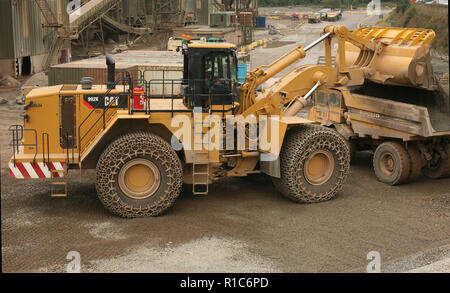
(27, 170)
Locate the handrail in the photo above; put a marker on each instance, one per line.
(15, 143)
(193, 85)
(45, 134)
(105, 109)
(93, 110)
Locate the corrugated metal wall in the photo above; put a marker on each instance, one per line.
(202, 10)
(6, 30)
(21, 27)
(27, 29)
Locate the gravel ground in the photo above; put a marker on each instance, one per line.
(243, 225)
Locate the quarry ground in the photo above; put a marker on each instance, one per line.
(243, 225)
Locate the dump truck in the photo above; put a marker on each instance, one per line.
(333, 15)
(145, 146)
(323, 13)
(313, 17)
(391, 103)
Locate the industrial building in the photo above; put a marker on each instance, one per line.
(38, 33)
(26, 35)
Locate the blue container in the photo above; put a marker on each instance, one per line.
(242, 72)
(261, 21)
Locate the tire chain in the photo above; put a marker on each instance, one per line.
(129, 146)
(304, 140)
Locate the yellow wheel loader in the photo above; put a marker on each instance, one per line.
(144, 145)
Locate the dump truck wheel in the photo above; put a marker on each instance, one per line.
(391, 163)
(314, 162)
(439, 170)
(139, 174)
(417, 163)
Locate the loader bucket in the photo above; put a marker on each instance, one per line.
(404, 59)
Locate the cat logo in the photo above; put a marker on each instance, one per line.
(99, 101)
(111, 101)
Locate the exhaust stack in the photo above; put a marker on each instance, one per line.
(111, 64)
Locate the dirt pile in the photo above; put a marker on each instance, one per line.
(9, 81)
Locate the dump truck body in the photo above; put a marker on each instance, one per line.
(370, 116)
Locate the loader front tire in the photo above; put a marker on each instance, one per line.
(138, 174)
(314, 164)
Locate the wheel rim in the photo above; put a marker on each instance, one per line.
(387, 163)
(139, 179)
(319, 167)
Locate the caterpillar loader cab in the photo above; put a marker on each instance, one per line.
(210, 74)
(199, 129)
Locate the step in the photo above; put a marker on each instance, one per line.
(58, 195)
(200, 192)
(52, 172)
(59, 183)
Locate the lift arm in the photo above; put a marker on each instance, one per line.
(262, 73)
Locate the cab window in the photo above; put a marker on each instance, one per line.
(322, 98)
(335, 100)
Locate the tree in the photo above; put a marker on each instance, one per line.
(402, 6)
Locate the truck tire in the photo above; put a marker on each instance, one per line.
(391, 163)
(138, 174)
(439, 170)
(417, 163)
(314, 164)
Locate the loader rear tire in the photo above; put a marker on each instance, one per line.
(391, 163)
(138, 174)
(314, 164)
